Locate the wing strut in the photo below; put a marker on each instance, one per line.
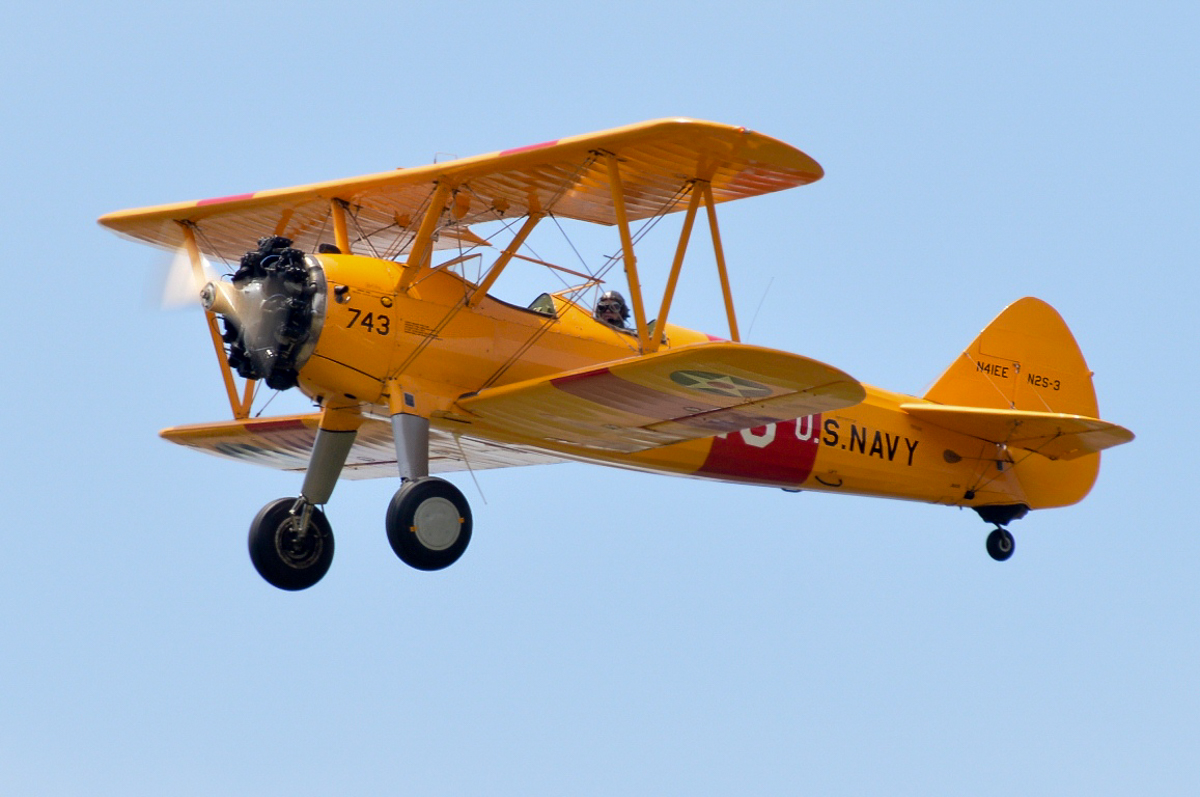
(239, 405)
(719, 252)
(505, 258)
(684, 236)
(421, 244)
(631, 275)
(341, 235)
(701, 192)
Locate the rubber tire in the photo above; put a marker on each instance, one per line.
(1000, 545)
(402, 517)
(275, 564)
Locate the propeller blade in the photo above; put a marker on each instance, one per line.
(180, 288)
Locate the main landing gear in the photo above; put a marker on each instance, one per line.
(428, 521)
(291, 544)
(1000, 543)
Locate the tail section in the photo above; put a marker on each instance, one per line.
(1026, 359)
(1023, 383)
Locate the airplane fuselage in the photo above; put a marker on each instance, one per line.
(376, 340)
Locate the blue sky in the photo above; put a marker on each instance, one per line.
(610, 632)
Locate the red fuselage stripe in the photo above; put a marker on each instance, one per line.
(777, 453)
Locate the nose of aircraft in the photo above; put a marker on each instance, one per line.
(272, 310)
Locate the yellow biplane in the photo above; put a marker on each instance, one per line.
(416, 368)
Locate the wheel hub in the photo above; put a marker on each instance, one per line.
(437, 523)
(297, 548)
(1000, 544)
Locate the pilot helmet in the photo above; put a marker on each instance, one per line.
(612, 309)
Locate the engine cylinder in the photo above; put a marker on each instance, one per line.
(273, 311)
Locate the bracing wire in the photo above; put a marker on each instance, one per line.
(766, 290)
(321, 230)
(210, 247)
(467, 462)
(264, 407)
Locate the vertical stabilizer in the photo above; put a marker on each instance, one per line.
(1026, 359)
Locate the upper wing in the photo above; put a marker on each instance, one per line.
(567, 177)
(1053, 434)
(285, 443)
(681, 394)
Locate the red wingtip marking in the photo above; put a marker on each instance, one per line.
(530, 147)
(275, 426)
(218, 200)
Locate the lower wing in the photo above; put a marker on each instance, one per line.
(284, 443)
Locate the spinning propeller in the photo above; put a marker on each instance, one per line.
(181, 288)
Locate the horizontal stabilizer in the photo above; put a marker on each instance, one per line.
(682, 394)
(284, 443)
(1052, 434)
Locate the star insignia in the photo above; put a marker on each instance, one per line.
(720, 384)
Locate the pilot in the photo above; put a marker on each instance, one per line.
(612, 310)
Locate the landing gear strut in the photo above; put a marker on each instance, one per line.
(291, 544)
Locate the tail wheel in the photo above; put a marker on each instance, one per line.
(429, 523)
(285, 555)
(1000, 544)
